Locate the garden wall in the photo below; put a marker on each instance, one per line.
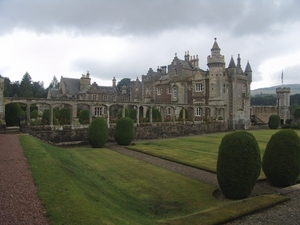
(71, 136)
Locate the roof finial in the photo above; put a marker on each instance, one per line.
(215, 39)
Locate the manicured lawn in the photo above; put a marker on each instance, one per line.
(197, 151)
(100, 186)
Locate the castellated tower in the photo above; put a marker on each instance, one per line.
(283, 103)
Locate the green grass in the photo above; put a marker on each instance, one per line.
(197, 151)
(100, 186)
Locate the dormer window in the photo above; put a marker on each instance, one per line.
(94, 97)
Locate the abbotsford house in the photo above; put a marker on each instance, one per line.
(217, 93)
(183, 93)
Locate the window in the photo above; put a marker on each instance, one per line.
(113, 98)
(168, 90)
(175, 92)
(159, 90)
(98, 111)
(104, 97)
(125, 98)
(198, 87)
(94, 97)
(136, 89)
(198, 111)
(212, 86)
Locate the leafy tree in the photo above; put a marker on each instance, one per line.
(7, 87)
(126, 82)
(295, 100)
(26, 89)
(281, 160)
(297, 113)
(14, 89)
(238, 164)
(39, 90)
(270, 100)
(98, 133)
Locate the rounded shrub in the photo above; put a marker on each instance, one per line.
(120, 113)
(64, 116)
(274, 121)
(186, 114)
(238, 165)
(84, 116)
(156, 116)
(98, 133)
(34, 114)
(281, 160)
(132, 113)
(124, 132)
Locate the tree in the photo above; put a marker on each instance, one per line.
(13, 114)
(26, 89)
(54, 83)
(39, 90)
(124, 82)
(15, 89)
(297, 113)
(7, 87)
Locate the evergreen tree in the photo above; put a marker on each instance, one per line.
(26, 89)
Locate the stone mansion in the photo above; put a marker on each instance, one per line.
(219, 93)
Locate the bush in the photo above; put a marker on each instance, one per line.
(64, 116)
(46, 116)
(274, 121)
(281, 160)
(238, 165)
(124, 132)
(155, 114)
(13, 114)
(98, 133)
(186, 114)
(34, 114)
(120, 113)
(132, 114)
(84, 116)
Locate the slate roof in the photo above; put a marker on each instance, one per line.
(248, 68)
(232, 63)
(72, 85)
(53, 92)
(108, 90)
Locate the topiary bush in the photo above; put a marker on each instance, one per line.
(156, 116)
(124, 132)
(120, 113)
(34, 114)
(98, 133)
(64, 116)
(238, 165)
(84, 116)
(186, 114)
(281, 160)
(274, 121)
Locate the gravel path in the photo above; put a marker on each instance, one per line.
(19, 203)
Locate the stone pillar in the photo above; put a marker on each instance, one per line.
(183, 115)
(150, 114)
(27, 115)
(91, 114)
(51, 115)
(71, 115)
(137, 114)
(123, 111)
(162, 114)
(173, 115)
(107, 119)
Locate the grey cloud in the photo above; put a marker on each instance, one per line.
(138, 17)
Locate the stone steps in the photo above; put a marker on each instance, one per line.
(12, 130)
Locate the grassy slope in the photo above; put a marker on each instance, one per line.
(99, 186)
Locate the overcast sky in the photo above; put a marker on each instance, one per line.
(124, 38)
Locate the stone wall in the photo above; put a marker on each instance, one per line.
(68, 136)
(264, 112)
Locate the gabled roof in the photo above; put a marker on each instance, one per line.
(53, 92)
(72, 85)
